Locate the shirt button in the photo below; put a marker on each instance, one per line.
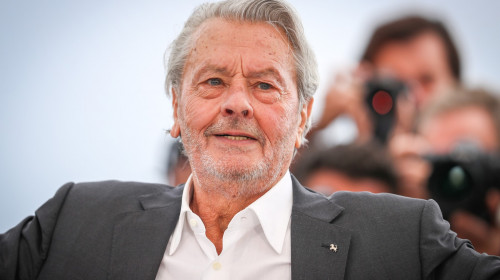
(193, 222)
(216, 265)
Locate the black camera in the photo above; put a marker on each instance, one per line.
(461, 180)
(381, 94)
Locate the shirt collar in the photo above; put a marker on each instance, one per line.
(273, 211)
(175, 239)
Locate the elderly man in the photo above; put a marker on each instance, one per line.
(242, 79)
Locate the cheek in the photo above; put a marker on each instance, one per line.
(278, 122)
(198, 113)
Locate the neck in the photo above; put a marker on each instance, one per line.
(217, 204)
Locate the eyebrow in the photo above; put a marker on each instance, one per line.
(209, 68)
(267, 72)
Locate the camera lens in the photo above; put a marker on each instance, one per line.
(451, 182)
(382, 102)
(461, 180)
(457, 180)
(381, 95)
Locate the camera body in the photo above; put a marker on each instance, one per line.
(461, 180)
(381, 94)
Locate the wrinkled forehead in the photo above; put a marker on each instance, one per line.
(217, 30)
(256, 46)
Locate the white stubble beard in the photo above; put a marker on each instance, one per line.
(232, 180)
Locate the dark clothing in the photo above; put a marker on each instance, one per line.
(120, 230)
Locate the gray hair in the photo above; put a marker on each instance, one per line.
(275, 12)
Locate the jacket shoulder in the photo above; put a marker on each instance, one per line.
(390, 216)
(377, 202)
(115, 195)
(115, 187)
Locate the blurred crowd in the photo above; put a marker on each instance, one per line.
(420, 131)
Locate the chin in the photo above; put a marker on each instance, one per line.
(241, 172)
(235, 168)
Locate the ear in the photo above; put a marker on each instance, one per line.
(305, 114)
(176, 130)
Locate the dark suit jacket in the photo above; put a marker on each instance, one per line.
(117, 230)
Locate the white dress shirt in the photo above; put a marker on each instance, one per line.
(256, 244)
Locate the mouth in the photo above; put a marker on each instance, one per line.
(235, 134)
(236, 137)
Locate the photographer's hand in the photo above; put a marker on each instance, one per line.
(406, 150)
(484, 237)
(346, 96)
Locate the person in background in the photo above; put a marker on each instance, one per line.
(463, 116)
(177, 167)
(418, 51)
(413, 58)
(447, 120)
(462, 129)
(349, 167)
(414, 50)
(460, 118)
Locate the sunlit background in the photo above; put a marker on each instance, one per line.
(81, 82)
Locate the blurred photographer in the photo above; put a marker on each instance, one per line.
(406, 62)
(352, 167)
(457, 147)
(177, 165)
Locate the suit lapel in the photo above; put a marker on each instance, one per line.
(319, 248)
(140, 238)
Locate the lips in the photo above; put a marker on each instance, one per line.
(235, 137)
(235, 130)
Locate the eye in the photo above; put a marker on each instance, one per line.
(426, 79)
(264, 86)
(214, 82)
(266, 92)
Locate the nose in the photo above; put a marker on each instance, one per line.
(237, 102)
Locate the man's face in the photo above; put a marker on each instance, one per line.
(421, 62)
(471, 124)
(238, 109)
